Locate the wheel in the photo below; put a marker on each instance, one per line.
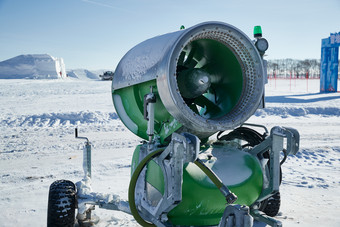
(61, 204)
(271, 206)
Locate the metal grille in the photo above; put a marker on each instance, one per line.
(251, 72)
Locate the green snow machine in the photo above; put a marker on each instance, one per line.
(188, 95)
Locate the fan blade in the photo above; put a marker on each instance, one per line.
(190, 57)
(194, 108)
(192, 64)
(181, 58)
(210, 107)
(202, 63)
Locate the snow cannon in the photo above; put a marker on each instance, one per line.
(205, 79)
(176, 91)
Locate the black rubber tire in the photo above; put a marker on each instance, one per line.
(271, 206)
(61, 204)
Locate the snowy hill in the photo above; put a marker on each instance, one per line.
(32, 66)
(42, 66)
(84, 74)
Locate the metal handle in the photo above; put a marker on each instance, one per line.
(78, 137)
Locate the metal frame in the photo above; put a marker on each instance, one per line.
(87, 199)
(236, 215)
(182, 149)
(274, 144)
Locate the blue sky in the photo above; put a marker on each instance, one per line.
(95, 34)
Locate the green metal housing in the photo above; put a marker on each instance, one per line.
(129, 105)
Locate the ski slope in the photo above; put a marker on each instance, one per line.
(37, 147)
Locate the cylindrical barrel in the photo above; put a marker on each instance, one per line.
(220, 62)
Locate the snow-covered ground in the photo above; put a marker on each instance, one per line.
(37, 147)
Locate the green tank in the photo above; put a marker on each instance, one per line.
(202, 203)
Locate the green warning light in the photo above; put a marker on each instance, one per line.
(257, 32)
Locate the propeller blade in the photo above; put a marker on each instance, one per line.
(190, 56)
(181, 58)
(192, 64)
(202, 63)
(194, 108)
(210, 107)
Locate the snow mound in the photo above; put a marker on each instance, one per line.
(83, 74)
(285, 112)
(32, 66)
(58, 119)
(301, 105)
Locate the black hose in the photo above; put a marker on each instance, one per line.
(132, 187)
(212, 176)
(249, 135)
(230, 197)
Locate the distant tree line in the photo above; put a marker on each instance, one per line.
(286, 68)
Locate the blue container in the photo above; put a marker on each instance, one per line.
(329, 63)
